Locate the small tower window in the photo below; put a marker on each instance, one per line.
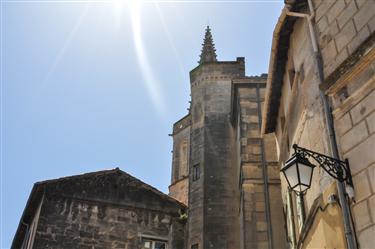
(196, 172)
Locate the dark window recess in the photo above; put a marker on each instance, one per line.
(196, 172)
(301, 74)
(195, 246)
(291, 73)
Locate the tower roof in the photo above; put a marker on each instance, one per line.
(208, 50)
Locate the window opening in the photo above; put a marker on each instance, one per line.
(196, 172)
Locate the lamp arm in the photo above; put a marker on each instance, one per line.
(334, 167)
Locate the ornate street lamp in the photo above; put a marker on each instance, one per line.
(298, 170)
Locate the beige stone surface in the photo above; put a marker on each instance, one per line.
(361, 156)
(335, 10)
(261, 226)
(354, 136)
(345, 35)
(365, 13)
(179, 190)
(343, 124)
(365, 107)
(370, 120)
(371, 24)
(367, 238)
(348, 12)
(360, 37)
(322, 9)
(361, 215)
(361, 186)
(329, 52)
(372, 207)
(371, 170)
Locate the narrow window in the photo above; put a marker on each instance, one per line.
(196, 172)
(195, 246)
(153, 244)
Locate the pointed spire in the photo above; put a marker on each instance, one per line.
(208, 51)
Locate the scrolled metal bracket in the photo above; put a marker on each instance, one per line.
(336, 168)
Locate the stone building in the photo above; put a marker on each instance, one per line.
(226, 191)
(101, 210)
(221, 166)
(320, 95)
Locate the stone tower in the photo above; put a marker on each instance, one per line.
(219, 167)
(206, 131)
(212, 188)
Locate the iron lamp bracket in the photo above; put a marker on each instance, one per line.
(336, 168)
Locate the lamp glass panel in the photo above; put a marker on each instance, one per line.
(301, 188)
(291, 175)
(305, 172)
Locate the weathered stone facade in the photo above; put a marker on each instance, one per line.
(179, 187)
(261, 216)
(233, 186)
(107, 209)
(300, 79)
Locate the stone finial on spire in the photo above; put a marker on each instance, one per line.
(208, 51)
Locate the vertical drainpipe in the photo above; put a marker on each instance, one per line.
(290, 219)
(265, 175)
(349, 233)
(300, 210)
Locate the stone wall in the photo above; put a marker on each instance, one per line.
(180, 160)
(346, 37)
(258, 230)
(341, 27)
(354, 115)
(213, 200)
(75, 223)
(105, 209)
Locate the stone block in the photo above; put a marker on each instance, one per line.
(262, 236)
(370, 120)
(316, 3)
(362, 109)
(353, 137)
(361, 186)
(322, 9)
(329, 52)
(361, 2)
(258, 188)
(337, 61)
(365, 13)
(261, 226)
(322, 24)
(366, 238)
(361, 215)
(273, 172)
(259, 206)
(343, 124)
(262, 245)
(359, 39)
(335, 10)
(346, 15)
(362, 155)
(251, 172)
(371, 170)
(327, 34)
(345, 36)
(371, 24)
(372, 207)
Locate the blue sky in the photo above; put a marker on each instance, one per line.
(92, 86)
